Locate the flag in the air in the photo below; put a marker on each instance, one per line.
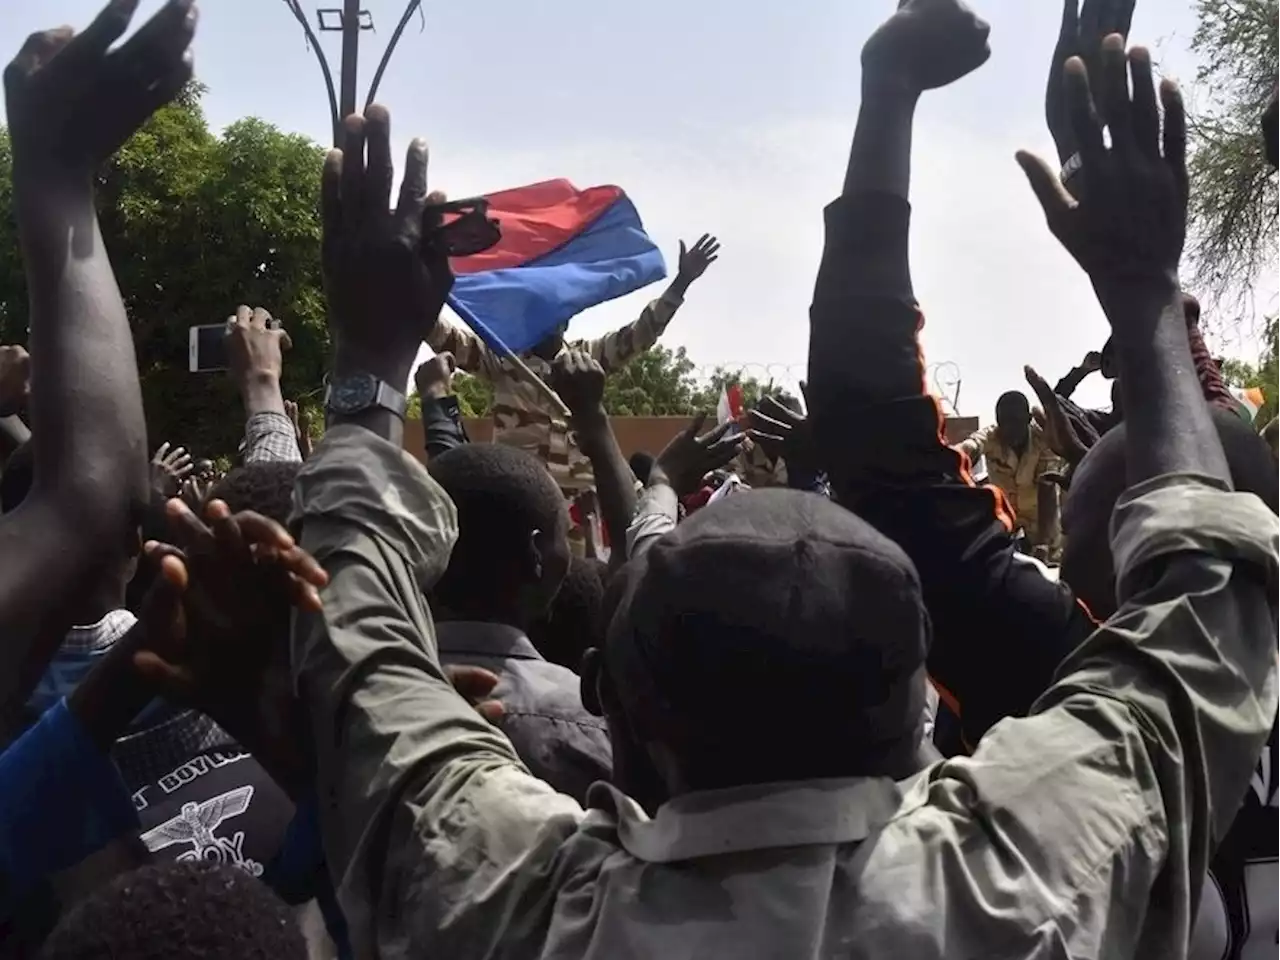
(1250, 399)
(729, 409)
(562, 250)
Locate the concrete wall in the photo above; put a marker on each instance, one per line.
(634, 433)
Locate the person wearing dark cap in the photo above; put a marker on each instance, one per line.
(1095, 812)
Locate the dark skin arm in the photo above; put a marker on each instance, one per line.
(70, 105)
(580, 382)
(1128, 234)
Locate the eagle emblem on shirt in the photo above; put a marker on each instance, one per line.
(196, 824)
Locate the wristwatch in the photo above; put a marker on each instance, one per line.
(354, 393)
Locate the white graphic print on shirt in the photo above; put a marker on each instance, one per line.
(196, 823)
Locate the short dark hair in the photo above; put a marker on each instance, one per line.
(573, 624)
(1011, 398)
(179, 909)
(502, 495)
(642, 465)
(19, 475)
(265, 487)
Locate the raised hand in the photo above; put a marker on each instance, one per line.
(689, 457)
(256, 345)
(1131, 220)
(434, 377)
(1081, 35)
(169, 468)
(926, 44)
(784, 433)
(694, 262)
(580, 382)
(225, 651)
(15, 379)
(1068, 435)
(72, 100)
(384, 297)
(1092, 362)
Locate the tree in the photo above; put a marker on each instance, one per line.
(1233, 189)
(196, 224)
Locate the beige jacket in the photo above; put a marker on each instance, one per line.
(1017, 476)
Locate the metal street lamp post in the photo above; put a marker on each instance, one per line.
(350, 19)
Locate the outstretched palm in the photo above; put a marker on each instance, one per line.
(694, 263)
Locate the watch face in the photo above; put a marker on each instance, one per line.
(352, 394)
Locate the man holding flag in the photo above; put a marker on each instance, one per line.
(523, 292)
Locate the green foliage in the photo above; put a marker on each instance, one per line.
(1233, 189)
(195, 225)
(658, 383)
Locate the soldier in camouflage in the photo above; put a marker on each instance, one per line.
(521, 415)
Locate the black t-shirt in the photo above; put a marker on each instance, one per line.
(220, 806)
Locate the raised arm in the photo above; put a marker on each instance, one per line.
(470, 353)
(975, 445)
(402, 761)
(71, 103)
(614, 349)
(580, 382)
(256, 345)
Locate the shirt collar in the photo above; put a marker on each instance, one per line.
(101, 636)
(758, 817)
(457, 637)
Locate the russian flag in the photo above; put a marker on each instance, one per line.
(562, 250)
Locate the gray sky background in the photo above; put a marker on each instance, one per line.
(719, 116)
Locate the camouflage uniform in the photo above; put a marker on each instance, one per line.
(521, 417)
(757, 471)
(1018, 476)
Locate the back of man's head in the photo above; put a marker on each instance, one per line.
(641, 463)
(573, 625)
(179, 909)
(772, 636)
(264, 487)
(1102, 477)
(513, 525)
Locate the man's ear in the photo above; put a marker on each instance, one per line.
(591, 673)
(533, 558)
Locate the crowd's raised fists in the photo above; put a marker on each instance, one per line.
(72, 100)
(927, 44)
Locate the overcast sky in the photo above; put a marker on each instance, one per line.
(719, 116)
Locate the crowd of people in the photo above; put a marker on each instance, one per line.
(336, 703)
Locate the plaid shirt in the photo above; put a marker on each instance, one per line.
(269, 437)
(520, 414)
